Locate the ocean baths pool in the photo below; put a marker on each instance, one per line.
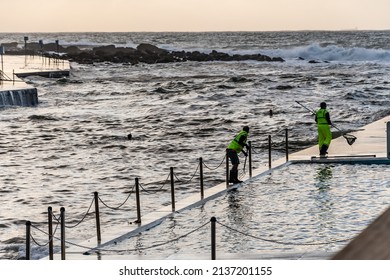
(299, 209)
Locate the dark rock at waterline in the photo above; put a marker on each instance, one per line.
(148, 49)
(161, 90)
(283, 87)
(144, 53)
(239, 79)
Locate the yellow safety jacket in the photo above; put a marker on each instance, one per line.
(236, 145)
(321, 116)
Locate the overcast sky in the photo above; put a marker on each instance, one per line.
(192, 15)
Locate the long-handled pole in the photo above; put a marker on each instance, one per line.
(350, 138)
(310, 110)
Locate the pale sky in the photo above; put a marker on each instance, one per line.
(192, 15)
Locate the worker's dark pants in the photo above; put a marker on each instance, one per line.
(233, 156)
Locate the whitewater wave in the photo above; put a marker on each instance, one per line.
(332, 53)
(315, 51)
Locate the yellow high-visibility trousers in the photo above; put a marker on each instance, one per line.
(324, 135)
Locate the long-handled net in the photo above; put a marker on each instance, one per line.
(350, 138)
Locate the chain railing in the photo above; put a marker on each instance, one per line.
(213, 240)
(170, 178)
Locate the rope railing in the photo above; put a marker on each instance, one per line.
(120, 205)
(152, 246)
(189, 180)
(281, 242)
(215, 168)
(159, 189)
(170, 178)
(213, 221)
(84, 217)
(51, 237)
(271, 146)
(148, 192)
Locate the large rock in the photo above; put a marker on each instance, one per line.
(104, 50)
(150, 50)
(72, 50)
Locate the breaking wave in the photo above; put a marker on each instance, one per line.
(333, 53)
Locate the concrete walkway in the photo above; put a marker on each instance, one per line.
(371, 140)
(33, 65)
(13, 90)
(370, 147)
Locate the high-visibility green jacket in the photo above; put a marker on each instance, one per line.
(322, 117)
(239, 141)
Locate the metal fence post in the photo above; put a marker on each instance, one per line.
(269, 151)
(227, 169)
(201, 178)
(62, 216)
(28, 243)
(97, 216)
(213, 238)
(172, 190)
(286, 144)
(388, 139)
(250, 158)
(50, 222)
(138, 202)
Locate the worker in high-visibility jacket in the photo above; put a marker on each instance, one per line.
(235, 147)
(322, 119)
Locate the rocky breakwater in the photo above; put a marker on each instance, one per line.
(143, 53)
(147, 53)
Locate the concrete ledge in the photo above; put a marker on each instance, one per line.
(46, 74)
(346, 160)
(19, 97)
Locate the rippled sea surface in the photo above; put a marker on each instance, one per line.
(75, 142)
(298, 209)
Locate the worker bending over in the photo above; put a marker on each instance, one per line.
(235, 147)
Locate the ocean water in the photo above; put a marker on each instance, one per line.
(75, 142)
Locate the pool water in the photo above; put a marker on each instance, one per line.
(296, 209)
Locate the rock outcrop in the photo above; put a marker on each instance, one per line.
(144, 53)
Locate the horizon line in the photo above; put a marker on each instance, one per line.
(208, 31)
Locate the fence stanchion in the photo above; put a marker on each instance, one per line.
(227, 169)
(269, 151)
(138, 202)
(28, 243)
(213, 238)
(388, 139)
(62, 216)
(50, 223)
(286, 144)
(201, 178)
(250, 158)
(172, 190)
(97, 216)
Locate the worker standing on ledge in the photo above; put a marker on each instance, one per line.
(235, 147)
(322, 119)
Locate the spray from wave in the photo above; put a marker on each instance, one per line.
(333, 53)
